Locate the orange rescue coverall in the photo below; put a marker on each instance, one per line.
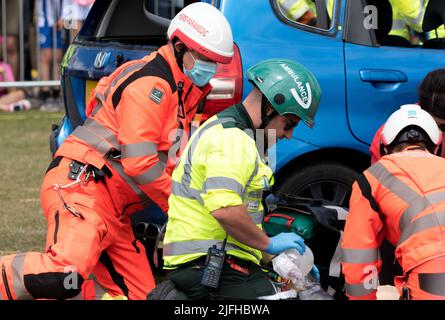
(401, 198)
(138, 123)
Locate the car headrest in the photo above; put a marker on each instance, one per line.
(434, 15)
(384, 16)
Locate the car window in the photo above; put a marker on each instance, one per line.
(403, 23)
(165, 8)
(108, 20)
(313, 13)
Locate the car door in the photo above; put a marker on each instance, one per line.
(380, 78)
(265, 31)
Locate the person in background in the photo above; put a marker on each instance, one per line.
(432, 99)
(303, 11)
(74, 13)
(12, 35)
(50, 35)
(11, 100)
(408, 19)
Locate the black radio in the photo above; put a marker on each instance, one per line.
(213, 266)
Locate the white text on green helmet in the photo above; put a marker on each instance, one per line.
(305, 103)
(304, 99)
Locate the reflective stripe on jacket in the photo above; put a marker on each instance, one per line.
(295, 9)
(135, 126)
(409, 14)
(221, 167)
(410, 11)
(399, 25)
(433, 35)
(400, 198)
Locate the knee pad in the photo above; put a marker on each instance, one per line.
(54, 285)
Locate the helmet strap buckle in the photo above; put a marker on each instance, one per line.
(179, 51)
(265, 117)
(382, 150)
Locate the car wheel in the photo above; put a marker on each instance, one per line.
(325, 180)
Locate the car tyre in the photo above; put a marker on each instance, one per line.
(330, 181)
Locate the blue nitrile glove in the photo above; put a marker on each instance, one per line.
(315, 273)
(286, 240)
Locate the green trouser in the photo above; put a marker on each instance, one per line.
(233, 284)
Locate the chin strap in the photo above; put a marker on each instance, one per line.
(179, 55)
(439, 151)
(265, 119)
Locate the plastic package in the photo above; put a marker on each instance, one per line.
(284, 295)
(314, 292)
(293, 266)
(291, 258)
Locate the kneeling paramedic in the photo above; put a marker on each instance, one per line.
(116, 163)
(214, 239)
(401, 198)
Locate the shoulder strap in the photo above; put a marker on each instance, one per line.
(158, 67)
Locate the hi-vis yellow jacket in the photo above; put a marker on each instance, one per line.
(220, 167)
(295, 9)
(408, 14)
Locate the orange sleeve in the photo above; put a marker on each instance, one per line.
(360, 243)
(144, 110)
(374, 149)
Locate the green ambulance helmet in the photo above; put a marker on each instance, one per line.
(289, 87)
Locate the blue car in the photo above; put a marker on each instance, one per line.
(365, 74)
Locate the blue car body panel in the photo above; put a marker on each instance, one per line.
(396, 73)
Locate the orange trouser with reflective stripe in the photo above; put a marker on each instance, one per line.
(426, 282)
(97, 241)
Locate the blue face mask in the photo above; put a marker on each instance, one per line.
(202, 71)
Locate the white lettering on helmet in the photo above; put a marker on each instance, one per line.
(195, 25)
(304, 99)
(290, 72)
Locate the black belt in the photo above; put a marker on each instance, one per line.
(76, 167)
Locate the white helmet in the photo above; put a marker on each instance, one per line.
(411, 115)
(203, 28)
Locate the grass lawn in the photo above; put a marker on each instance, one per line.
(24, 157)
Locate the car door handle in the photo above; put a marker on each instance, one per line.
(373, 75)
